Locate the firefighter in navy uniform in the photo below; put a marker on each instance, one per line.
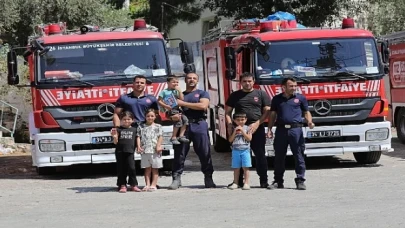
(194, 107)
(288, 108)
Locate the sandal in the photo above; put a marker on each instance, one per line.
(135, 189)
(152, 189)
(145, 189)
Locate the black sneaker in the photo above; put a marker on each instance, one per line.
(275, 185)
(209, 182)
(264, 185)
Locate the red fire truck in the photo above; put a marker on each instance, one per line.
(75, 79)
(340, 71)
(396, 44)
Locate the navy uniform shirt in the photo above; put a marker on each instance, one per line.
(137, 105)
(194, 97)
(289, 110)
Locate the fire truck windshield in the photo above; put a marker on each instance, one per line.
(106, 60)
(320, 59)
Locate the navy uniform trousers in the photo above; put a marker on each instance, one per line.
(295, 138)
(197, 132)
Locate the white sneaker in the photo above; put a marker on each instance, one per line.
(233, 186)
(246, 187)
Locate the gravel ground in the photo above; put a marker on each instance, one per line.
(340, 193)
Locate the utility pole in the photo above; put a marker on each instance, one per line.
(163, 15)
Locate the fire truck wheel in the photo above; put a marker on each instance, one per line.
(45, 170)
(367, 157)
(400, 125)
(168, 164)
(221, 145)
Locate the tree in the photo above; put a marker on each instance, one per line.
(307, 12)
(21, 20)
(387, 16)
(174, 12)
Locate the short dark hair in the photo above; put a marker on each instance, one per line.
(140, 76)
(285, 80)
(239, 115)
(246, 75)
(151, 110)
(127, 114)
(171, 77)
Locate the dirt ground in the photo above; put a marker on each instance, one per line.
(17, 163)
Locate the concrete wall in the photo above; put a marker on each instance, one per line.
(192, 31)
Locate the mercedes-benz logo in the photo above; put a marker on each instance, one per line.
(106, 111)
(322, 107)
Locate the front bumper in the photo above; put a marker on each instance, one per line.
(352, 140)
(91, 154)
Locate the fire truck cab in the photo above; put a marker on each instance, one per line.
(75, 79)
(339, 70)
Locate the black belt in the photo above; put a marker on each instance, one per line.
(288, 126)
(196, 120)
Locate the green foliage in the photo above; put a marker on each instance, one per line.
(308, 12)
(20, 19)
(387, 16)
(151, 11)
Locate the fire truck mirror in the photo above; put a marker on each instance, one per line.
(186, 52)
(385, 53)
(12, 76)
(230, 63)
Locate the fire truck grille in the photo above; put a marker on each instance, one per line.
(77, 117)
(339, 101)
(342, 111)
(336, 113)
(78, 108)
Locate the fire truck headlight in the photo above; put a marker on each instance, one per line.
(166, 138)
(377, 134)
(52, 145)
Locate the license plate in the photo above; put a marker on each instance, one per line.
(102, 139)
(323, 134)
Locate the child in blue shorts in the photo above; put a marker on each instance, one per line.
(240, 140)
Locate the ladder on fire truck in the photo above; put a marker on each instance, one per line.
(394, 37)
(227, 28)
(230, 28)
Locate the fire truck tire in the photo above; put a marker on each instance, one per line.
(400, 125)
(168, 164)
(221, 145)
(367, 157)
(43, 171)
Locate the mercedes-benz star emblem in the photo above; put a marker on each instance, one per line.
(106, 111)
(322, 107)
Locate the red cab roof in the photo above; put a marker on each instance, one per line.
(100, 36)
